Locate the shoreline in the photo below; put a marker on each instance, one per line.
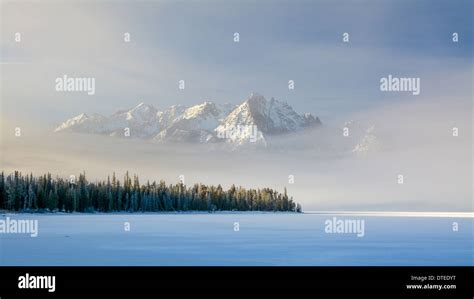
(4, 213)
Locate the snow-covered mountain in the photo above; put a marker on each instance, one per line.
(84, 123)
(271, 117)
(257, 117)
(208, 122)
(195, 124)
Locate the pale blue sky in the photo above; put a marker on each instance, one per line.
(193, 40)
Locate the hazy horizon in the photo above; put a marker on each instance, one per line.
(278, 42)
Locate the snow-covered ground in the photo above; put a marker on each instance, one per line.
(262, 239)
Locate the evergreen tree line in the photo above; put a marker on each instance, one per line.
(43, 193)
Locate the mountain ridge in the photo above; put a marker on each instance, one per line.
(207, 122)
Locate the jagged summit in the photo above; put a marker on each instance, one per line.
(207, 122)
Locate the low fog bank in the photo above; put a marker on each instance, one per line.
(319, 168)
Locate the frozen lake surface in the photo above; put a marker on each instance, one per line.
(262, 239)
